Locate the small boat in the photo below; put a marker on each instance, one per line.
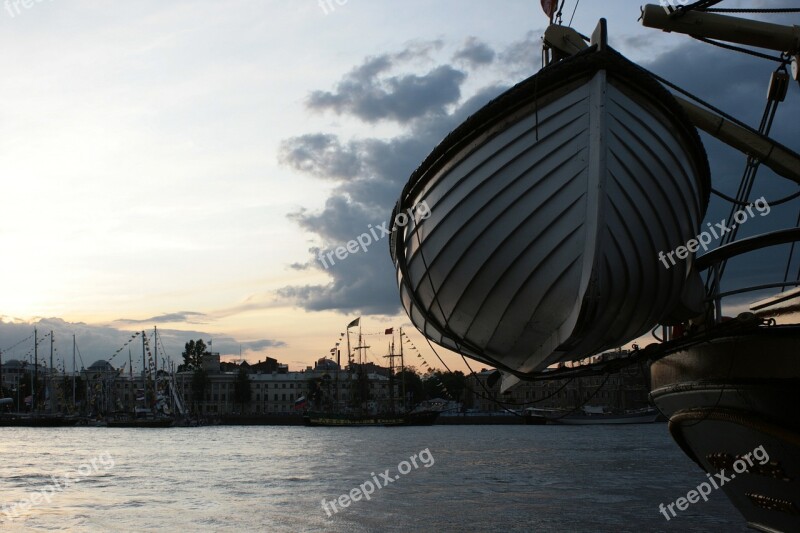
(421, 418)
(549, 209)
(593, 416)
(130, 422)
(37, 420)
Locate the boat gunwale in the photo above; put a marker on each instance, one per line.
(549, 83)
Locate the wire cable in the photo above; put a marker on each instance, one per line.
(740, 49)
(771, 202)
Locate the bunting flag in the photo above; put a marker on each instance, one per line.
(354, 323)
(389, 331)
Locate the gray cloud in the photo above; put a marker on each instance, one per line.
(475, 53)
(180, 316)
(371, 94)
(321, 155)
(365, 282)
(377, 169)
(523, 57)
(737, 84)
(95, 342)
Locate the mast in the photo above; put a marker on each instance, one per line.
(336, 379)
(403, 370)
(391, 357)
(130, 373)
(155, 350)
(35, 368)
(348, 346)
(144, 368)
(74, 369)
(50, 375)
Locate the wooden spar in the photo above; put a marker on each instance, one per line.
(725, 28)
(782, 160)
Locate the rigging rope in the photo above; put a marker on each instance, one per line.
(701, 5)
(745, 187)
(573, 12)
(772, 203)
(755, 10)
(29, 337)
(747, 51)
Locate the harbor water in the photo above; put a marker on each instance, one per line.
(270, 478)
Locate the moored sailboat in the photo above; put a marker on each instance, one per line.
(338, 408)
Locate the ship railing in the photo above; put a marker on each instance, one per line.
(713, 260)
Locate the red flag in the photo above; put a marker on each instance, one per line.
(389, 331)
(550, 7)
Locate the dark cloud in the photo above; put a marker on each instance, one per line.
(96, 342)
(371, 94)
(377, 169)
(364, 281)
(181, 316)
(737, 84)
(321, 155)
(638, 42)
(262, 344)
(522, 58)
(475, 53)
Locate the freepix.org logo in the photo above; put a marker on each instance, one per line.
(417, 212)
(714, 232)
(366, 489)
(672, 5)
(96, 465)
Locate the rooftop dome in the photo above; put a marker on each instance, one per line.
(101, 365)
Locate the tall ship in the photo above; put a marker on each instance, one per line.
(46, 402)
(568, 216)
(151, 409)
(346, 399)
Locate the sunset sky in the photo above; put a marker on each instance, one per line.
(181, 164)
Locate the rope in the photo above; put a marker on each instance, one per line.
(699, 100)
(29, 337)
(737, 10)
(573, 12)
(740, 49)
(702, 5)
(771, 203)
